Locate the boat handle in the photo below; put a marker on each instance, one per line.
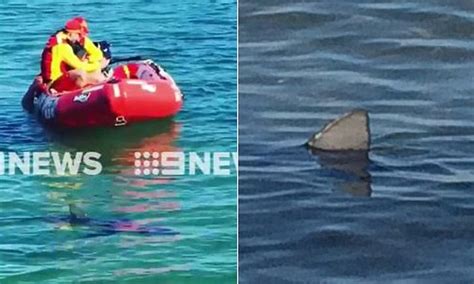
(120, 121)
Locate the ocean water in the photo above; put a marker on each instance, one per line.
(404, 211)
(193, 216)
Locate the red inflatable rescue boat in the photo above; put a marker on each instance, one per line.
(139, 91)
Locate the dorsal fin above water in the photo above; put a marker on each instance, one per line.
(76, 212)
(349, 132)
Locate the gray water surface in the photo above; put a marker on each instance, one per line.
(402, 212)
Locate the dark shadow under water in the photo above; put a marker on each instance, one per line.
(352, 165)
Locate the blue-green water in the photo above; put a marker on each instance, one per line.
(196, 42)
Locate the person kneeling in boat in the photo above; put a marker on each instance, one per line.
(85, 51)
(61, 69)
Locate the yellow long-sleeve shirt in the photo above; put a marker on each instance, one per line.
(59, 57)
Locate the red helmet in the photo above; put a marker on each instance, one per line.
(82, 21)
(73, 25)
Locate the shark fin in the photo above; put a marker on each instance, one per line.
(349, 132)
(76, 212)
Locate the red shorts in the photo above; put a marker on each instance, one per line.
(64, 83)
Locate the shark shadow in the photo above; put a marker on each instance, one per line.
(106, 227)
(95, 227)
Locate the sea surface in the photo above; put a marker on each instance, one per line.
(402, 212)
(193, 217)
